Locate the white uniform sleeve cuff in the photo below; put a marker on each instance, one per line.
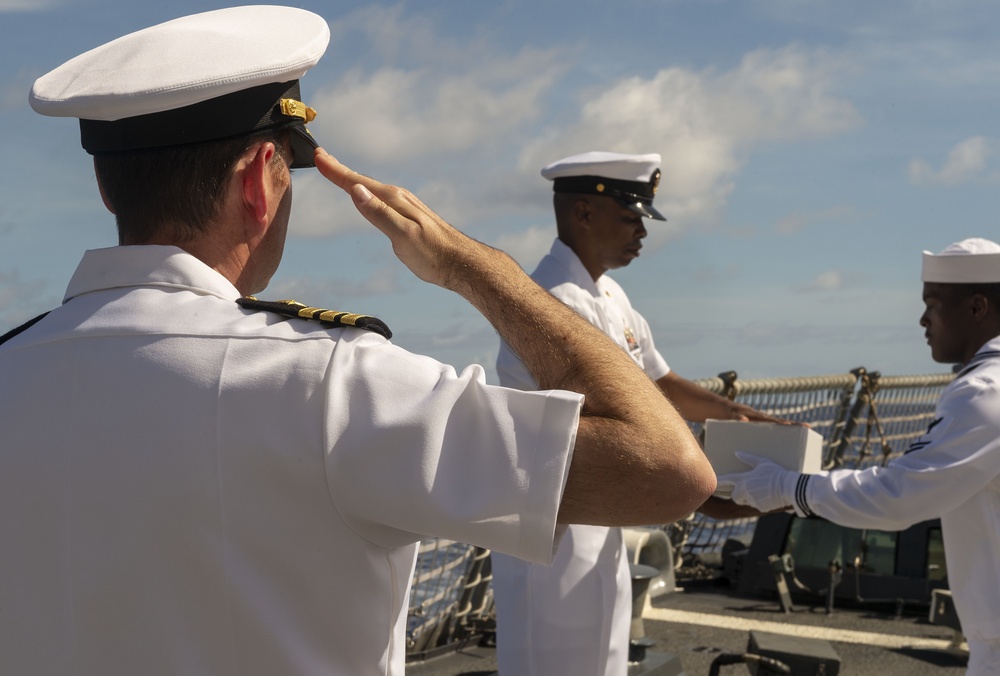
(797, 491)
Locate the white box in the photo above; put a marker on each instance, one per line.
(794, 447)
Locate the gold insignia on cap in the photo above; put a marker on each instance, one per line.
(293, 108)
(655, 180)
(600, 187)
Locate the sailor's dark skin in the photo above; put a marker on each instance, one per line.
(719, 508)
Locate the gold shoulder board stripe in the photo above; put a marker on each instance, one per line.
(291, 308)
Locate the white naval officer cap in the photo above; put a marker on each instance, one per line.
(208, 76)
(970, 261)
(630, 179)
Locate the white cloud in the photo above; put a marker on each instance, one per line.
(432, 96)
(472, 112)
(968, 161)
(705, 123)
(440, 116)
(782, 95)
(398, 115)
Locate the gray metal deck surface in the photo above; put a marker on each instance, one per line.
(706, 618)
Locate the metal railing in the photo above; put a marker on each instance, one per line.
(888, 413)
(863, 417)
(450, 595)
(824, 402)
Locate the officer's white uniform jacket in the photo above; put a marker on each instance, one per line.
(952, 471)
(188, 487)
(572, 617)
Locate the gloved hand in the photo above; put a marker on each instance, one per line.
(766, 486)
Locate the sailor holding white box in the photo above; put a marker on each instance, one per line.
(951, 472)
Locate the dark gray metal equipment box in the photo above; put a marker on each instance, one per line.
(943, 610)
(804, 656)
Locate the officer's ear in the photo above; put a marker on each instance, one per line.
(258, 182)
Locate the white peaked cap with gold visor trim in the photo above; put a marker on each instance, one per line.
(203, 77)
(970, 261)
(631, 179)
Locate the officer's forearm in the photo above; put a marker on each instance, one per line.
(635, 460)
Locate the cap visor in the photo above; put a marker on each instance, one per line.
(646, 210)
(303, 147)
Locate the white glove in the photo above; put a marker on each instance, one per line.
(766, 486)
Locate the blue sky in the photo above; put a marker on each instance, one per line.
(812, 149)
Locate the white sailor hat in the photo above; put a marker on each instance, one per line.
(203, 77)
(971, 261)
(630, 179)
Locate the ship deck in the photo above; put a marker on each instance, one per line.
(704, 618)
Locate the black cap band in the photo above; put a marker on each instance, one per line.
(236, 114)
(635, 195)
